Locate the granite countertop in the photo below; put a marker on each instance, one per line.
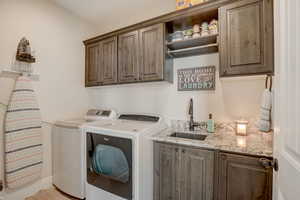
(255, 143)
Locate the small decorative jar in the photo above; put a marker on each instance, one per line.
(213, 27)
(188, 33)
(204, 28)
(196, 30)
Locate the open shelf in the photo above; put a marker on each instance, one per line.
(193, 51)
(193, 42)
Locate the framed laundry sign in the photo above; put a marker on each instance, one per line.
(198, 78)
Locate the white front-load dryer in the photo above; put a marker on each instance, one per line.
(119, 157)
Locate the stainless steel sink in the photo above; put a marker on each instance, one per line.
(189, 136)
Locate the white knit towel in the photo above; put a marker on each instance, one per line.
(264, 123)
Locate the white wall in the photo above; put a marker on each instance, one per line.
(56, 35)
(234, 98)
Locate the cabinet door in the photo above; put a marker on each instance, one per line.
(128, 57)
(165, 172)
(246, 38)
(196, 174)
(92, 63)
(108, 61)
(152, 53)
(243, 177)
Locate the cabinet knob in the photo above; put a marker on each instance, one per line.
(223, 157)
(183, 151)
(269, 163)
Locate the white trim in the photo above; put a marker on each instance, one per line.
(244, 78)
(21, 194)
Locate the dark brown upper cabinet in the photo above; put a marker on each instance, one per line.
(92, 77)
(128, 54)
(243, 177)
(101, 62)
(246, 38)
(152, 53)
(144, 52)
(108, 61)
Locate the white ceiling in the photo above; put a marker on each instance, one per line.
(113, 14)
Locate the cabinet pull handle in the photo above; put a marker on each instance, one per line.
(157, 172)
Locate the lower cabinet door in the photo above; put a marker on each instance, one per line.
(165, 172)
(196, 174)
(243, 178)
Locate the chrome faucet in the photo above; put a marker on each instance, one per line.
(192, 124)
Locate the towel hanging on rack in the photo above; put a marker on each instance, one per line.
(266, 107)
(23, 136)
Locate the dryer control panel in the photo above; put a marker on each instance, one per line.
(96, 114)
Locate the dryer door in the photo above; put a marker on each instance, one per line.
(109, 164)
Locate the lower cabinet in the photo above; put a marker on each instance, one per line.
(243, 177)
(165, 172)
(196, 174)
(187, 173)
(183, 173)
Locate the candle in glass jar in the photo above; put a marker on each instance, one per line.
(241, 127)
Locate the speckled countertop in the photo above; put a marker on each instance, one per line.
(255, 143)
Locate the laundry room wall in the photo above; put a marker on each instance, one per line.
(234, 98)
(56, 35)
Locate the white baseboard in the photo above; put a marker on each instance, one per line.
(22, 193)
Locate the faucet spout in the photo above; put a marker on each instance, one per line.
(191, 107)
(191, 113)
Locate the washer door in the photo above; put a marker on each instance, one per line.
(109, 164)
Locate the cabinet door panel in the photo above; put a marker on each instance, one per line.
(243, 177)
(165, 172)
(128, 57)
(246, 35)
(92, 64)
(196, 174)
(152, 53)
(109, 62)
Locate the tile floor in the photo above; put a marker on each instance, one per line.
(50, 194)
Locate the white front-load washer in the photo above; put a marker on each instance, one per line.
(108, 143)
(68, 152)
